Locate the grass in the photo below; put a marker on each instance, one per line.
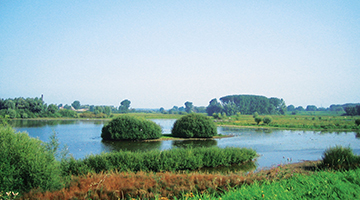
(321, 185)
(304, 122)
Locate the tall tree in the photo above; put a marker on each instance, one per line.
(213, 107)
(124, 106)
(76, 104)
(189, 107)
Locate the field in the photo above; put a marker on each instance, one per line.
(303, 122)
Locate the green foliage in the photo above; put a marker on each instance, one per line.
(267, 120)
(155, 160)
(124, 106)
(194, 125)
(76, 104)
(126, 127)
(248, 104)
(339, 157)
(26, 163)
(321, 185)
(357, 122)
(257, 120)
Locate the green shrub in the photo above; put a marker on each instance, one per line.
(340, 158)
(357, 122)
(26, 163)
(130, 128)
(194, 125)
(267, 120)
(257, 120)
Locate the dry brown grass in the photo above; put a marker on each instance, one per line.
(164, 185)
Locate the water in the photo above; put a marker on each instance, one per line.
(274, 146)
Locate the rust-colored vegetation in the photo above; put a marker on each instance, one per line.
(164, 185)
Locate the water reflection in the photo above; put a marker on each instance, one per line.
(40, 123)
(109, 146)
(194, 143)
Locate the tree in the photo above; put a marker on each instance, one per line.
(257, 120)
(52, 109)
(189, 107)
(124, 106)
(299, 108)
(350, 110)
(213, 107)
(311, 108)
(291, 108)
(162, 110)
(76, 104)
(267, 120)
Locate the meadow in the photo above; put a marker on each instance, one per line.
(301, 122)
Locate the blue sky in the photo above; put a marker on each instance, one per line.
(164, 53)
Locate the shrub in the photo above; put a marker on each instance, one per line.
(267, 120)
(340, 158)
(194, 125)
(26, 163)
(357, 122)
(130, 128)
(257, 120)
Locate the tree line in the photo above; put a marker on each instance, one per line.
(247, 105)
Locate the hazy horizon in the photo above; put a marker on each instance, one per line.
(162, 54)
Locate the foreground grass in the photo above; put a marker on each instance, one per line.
(304, 122)
(320, 185)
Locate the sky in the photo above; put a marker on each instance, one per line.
(164, 53)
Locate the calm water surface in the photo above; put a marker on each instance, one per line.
(274, 146)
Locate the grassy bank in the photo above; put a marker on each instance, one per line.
(303, 122)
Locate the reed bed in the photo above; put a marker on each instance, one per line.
(177, 159)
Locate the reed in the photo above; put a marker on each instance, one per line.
(177, 159)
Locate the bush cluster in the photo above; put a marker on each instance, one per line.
(156, 160)
(26, 163)
(339, 157)
(130, 128)
(194, 125)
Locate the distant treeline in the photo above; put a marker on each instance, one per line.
(228, 105)
(351, 109)
(31, 108)
(247, 105)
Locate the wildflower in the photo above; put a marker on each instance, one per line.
(8, 193)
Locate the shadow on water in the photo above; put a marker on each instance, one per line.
(109, 146)
(194, 143)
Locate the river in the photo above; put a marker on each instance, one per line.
(82, 137)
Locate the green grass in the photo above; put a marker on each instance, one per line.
(321, 185)
(304, 122)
